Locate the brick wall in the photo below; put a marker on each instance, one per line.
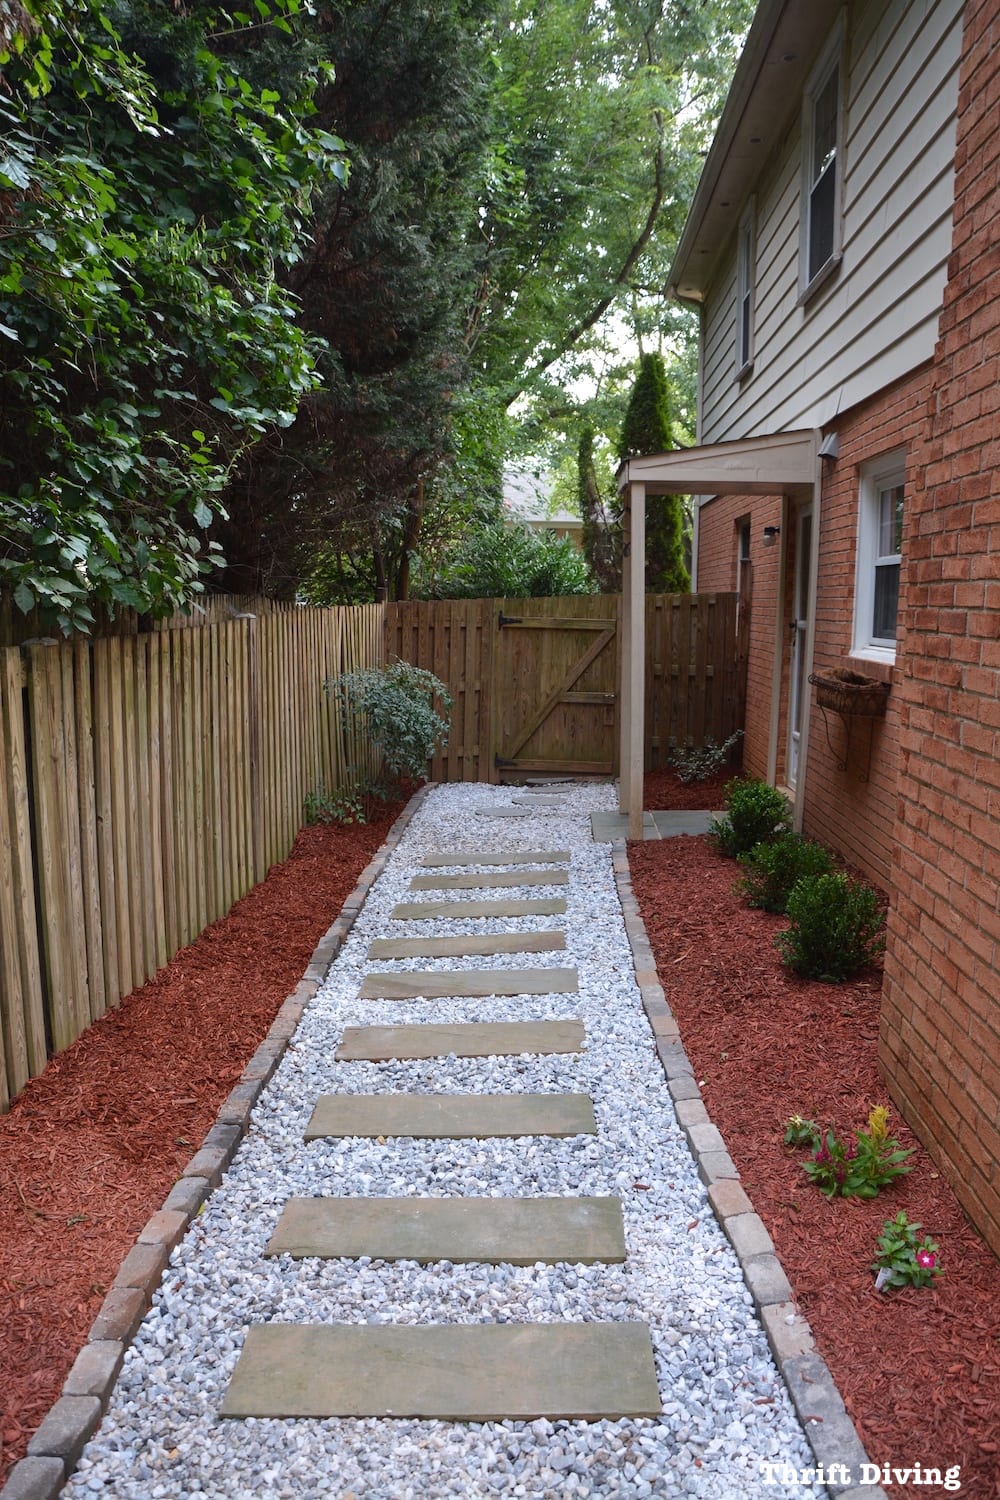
(940, 1038)
(717, 569)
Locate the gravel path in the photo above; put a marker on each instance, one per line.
(725, 1410)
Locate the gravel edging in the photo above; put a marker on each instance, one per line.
(74, 1417)
(832, 1435)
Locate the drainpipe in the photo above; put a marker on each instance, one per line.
(779, 646)
(800, 789)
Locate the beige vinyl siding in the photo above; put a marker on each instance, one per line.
(876, 320)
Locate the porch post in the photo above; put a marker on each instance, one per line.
(625, 680)
(634, 666)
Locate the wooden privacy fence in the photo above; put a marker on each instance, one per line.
(146, 783)
(511, 662)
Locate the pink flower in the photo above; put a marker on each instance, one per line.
(926, 1260)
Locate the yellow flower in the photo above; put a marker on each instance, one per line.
(878, 1124)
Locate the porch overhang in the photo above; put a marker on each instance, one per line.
(780, 463)
(784, 463)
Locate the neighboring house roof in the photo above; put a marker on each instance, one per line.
(527, 496)
(764, 98)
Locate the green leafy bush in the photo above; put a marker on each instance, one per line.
(393, 707)
(837, 927)
(755, 813)
(903, 1259)
(699, 763)
(345, 805)
(499, 560)
(773, 869)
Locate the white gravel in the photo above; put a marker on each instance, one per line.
(725, 1409)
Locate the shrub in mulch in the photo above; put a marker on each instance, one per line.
(918, 1367)
(91, 1148)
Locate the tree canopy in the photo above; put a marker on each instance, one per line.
(281, 287)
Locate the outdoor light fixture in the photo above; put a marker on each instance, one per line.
(770, 535)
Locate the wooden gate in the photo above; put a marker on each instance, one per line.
(555, 670)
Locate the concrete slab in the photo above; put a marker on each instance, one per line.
(467, 946)
(503, 812)
(464, 1039)
(607, 826)
(480, 1373)
(491, 857)
(494, 1231)
(434, 984)
(425, 911)
(488, 882)
(450, 1116)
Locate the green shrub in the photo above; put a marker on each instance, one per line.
(393, 707)
(837, 927)
(345, 805)
(755, 813)
(772, 869)
(699, 763)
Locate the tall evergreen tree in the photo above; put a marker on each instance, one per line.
(646, 429)
(601, 532)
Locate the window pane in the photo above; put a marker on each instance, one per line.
(822, 203)
(825, 125)
(886, 601)
(890, 521)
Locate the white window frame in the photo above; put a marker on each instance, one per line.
(746, 263)
(880, 475)
(830, 58)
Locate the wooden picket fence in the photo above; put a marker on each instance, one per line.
(147, 782)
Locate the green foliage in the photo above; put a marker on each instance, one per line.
(800, 1132)
(904, 1258)
(772, 869)
(345, 805)
(498, 561)
(837, 927)
(872, 1161)
(698, 763)
(755, 814)
(393, 707)
(647, 429)
(153, 183)
(602, 539)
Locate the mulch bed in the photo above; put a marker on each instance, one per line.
(919, 1368)
(663, 791)
(91, 1148)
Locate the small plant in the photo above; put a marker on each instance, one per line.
(872, 1161)
(342, 806)
(837, 927)
(393, 707)
(903, 1259)
(699, 763)
(755, 814)
(799, 1132)
(773, 869)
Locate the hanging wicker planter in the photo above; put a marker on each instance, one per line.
(849, 692)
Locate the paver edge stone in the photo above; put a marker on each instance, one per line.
(36, 1477)
(795, 1355)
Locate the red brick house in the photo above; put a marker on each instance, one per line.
(842, 252)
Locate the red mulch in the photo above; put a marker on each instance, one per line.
(92, 1147)
(663, 791)
(919, 1368)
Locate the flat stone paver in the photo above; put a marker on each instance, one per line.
(491, 857)
(482, 1373)
(450, 1116)
(494, 1231)
(538, 799)
(488, 882)
(435, 984)
(503, 812)
(461, 1038)
(466, 946)
(606, 826)
(423, 911)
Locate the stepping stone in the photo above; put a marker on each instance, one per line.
(494, 1231)
(462, 1038)
(511, 857)
(479, 1373)
(468, 947)
(503, 812)
(423, 911)
(538, 801)
(450, 1116)
(488, 882)
(434, 984)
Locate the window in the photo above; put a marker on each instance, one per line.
(746, 255)
(880, 543)
(822, 169)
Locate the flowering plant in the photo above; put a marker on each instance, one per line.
(800, 1132)
(902, 1259)
(871, 1161)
